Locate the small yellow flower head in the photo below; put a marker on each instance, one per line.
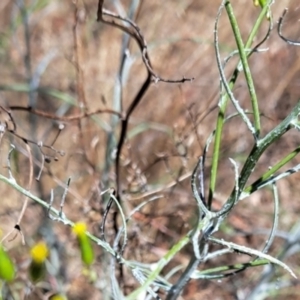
(37, 268)
(39, 252)
(79, 229)
(87, 253)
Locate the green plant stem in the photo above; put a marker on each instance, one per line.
(260, 146)
(214, 273)
(265, 142)
(258, 149)
(244, 61)
(223, 105)
(267, 175)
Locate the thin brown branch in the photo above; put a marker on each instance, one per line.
(65, 118)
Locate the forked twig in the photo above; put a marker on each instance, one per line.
(134, 31)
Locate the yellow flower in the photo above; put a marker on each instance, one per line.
(79, 228)
(39, 252)
(37, 268)
(87, 253)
